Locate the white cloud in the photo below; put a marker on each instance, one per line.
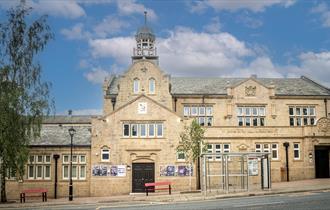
(97, 75)
(249, 21)
(324, 11)
(119, 48)
(130, 7)
(252, 5)
(68, 9)
(214, 26)
(76, 32)
(110, 25)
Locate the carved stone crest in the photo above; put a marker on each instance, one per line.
(144, 69)
(323, 124)
(250, 91)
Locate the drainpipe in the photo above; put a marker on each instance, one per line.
(326, 107)
(56, 157)
(286, 145)
(175, 100)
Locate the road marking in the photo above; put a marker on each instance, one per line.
(258, 204)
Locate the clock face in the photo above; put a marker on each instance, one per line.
(142, 108)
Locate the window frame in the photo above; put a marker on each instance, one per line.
(136, 86)
(152, 83)
(296, 149)
(105, 151)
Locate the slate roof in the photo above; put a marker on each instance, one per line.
(55, 132)
(217, 86)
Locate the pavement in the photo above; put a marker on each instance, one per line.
(163, 197)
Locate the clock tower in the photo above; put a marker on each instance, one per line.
(145, 44)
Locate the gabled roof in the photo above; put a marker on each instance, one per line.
(217, 86)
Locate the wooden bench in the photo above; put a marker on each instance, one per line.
(150, 187)
(34, 192)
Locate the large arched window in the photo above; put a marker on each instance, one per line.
(152, 86)
(136, 85)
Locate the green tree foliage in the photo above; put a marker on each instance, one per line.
(24, 98)
(192, 145)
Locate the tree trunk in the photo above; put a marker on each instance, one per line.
(3, 183)
(198, 181)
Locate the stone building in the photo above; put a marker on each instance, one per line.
(145, 109)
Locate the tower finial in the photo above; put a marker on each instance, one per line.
(145, 17)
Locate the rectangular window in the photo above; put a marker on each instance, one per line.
(226, 148)
(151, 130)
(39, 159)
(291, 111)
(82, 172)
(209, 121)
(210, 150)
(30, 172)
(202, 111)
(74, 159)
(201, 121)
(134, 130)
(186, 111)
(266, 147)
(82, 159)
(296, 151)
(143, 130)
(47, 172)
(303, 116)
(181, 156)
(275, 151)
(74, 172)
(194, 111)
(65, 172)
(218, 150)
(31, 158)
(251, 116)
(209, 111)
(105, 155)
(258, 148)
(159, 130)
(126, 130)
(39, 172)
(47, 159)
(136, 86)
(65, 158)
(291, 121)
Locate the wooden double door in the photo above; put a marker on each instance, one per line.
(142, 173)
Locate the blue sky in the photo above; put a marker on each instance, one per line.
(93, 39)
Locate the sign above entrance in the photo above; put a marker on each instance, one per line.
(142, 108)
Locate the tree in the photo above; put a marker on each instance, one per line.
(192, 145)
(24, 98)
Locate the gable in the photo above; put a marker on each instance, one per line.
(251, 89)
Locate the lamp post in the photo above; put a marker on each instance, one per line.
(72, 131)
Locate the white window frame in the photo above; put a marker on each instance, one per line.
(178, 156)
(153, 128)
(162, 129)
(74, 159)
(50, 172)
(105, 151)
(45, 159)
(80, 159)
(274, 149)
(186, 111)
(65, 177)
(68, 157)
(136, 86)
(137, 130)
(209, 111)
(152, 86)
(217, 158)
(33, 172)
(145, 130)
(36, 170)
(296, 149)
(194, 113)
(37, 159)
(129, 130)
(75, 167)
(82, 177)
(210, 150)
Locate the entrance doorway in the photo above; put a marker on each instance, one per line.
(142, 173)
(322, 162)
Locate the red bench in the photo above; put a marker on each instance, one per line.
(34, 192)
(150, 187)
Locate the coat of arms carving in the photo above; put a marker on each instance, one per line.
(323, 124)
(250, 91)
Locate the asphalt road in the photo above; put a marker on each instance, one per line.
(296, 201)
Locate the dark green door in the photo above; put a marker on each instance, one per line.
(142, 173)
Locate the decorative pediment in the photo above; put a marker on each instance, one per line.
(242, 147)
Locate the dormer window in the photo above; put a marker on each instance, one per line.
(152, 86)
(136, 86)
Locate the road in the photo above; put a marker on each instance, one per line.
(295, 201)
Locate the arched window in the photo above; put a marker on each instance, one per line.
(152, 84)
(105, 154)
(136, 85)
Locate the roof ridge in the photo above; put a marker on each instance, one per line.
(315, 83)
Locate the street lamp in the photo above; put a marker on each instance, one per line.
(72, 131)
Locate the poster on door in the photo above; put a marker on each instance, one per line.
(253, 166)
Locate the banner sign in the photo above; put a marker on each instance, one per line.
(107, 170)
(171, 170)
